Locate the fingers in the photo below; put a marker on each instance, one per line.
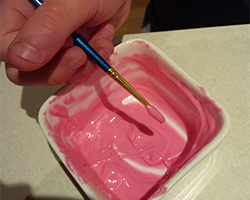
(46, 31)
(56, 72)
(101, 42)
(105, 48)
(63, 68)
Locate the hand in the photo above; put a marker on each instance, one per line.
(36, 45)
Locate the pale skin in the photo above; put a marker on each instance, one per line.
(36, 45)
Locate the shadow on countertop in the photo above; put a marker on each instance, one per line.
(14, 191)
(23, 191)
(33, 98)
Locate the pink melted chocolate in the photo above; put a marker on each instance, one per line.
(110, 141)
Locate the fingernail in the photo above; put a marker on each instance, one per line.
(104, 53)
(74, 64)
(26, 52)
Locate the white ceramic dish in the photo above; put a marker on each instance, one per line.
(129, 48)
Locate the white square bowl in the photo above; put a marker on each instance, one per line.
(199, 122)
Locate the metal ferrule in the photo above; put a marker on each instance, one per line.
(119, 79)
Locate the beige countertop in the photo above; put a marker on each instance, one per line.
(217, 58)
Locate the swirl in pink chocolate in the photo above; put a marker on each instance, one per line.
(110, 142)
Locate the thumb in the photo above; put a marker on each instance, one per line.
(46, 31)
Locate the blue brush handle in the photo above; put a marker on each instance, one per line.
(78, 41)
(91, 53)
(36, 3)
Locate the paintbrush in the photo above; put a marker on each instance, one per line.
(94, 56)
